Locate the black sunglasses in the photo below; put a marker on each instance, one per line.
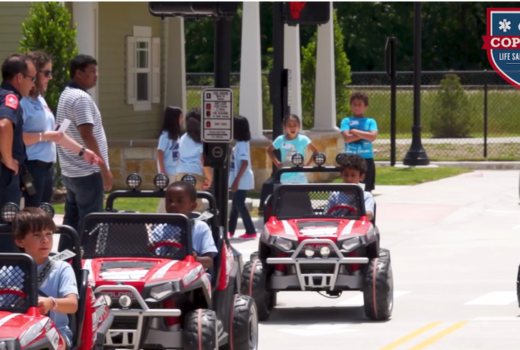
(46, 73)
(33, 79)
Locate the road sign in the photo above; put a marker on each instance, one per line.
(217, 115)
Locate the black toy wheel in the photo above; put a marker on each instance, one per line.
(384, 254)
(378, 289)
(256, 285)
(200, 330)
(244, 324)
(253, 256)
(518, 286)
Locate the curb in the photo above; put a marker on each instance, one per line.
(484, 165)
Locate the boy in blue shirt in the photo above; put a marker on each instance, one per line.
(181, 198)
(33, 231)
(358, 133)
(353, 169)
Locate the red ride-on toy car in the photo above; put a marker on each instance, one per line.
(311, 244)
(21, 324)
(162, 298)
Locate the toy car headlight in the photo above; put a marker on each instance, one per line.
(283, 244)
(319, 159)
(351, 243)
(49, 209)
(161, 181)
(325, 251)
(125, 301)
(9, 211)
(340, 158)
(189, 179)
(309, 252)
(297, 159)
(162, 291)
(133, 181)
(108, 299)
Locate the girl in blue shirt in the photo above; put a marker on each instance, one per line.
(290, 144)
(191, 156)
(241, 178)
(168, 148)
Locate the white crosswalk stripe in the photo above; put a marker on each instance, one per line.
(494, 298)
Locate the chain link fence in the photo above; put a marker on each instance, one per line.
(465, 115)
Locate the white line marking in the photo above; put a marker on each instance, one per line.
(494, 298)
(319, 329)
(499, 319)
(358, 299)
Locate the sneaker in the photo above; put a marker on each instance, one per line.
(229, 235)
(248, 236)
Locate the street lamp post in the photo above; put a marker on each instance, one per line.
(416, 155)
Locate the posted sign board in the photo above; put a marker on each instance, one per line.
(217, 115)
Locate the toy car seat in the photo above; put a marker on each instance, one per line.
(294, 205)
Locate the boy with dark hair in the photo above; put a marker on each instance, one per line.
(33, 231)
(181, 198)
(358, 133)
(353, 170)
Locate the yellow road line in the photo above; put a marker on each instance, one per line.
(438, 336)
(410, 336)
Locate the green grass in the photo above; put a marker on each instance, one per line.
(142, 205)
(412, 176)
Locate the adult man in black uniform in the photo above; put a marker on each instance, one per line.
(18, 76)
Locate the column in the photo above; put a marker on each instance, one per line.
(292, 62)
(175, 67)
(251, 70)
(325, 89)
(85, 15)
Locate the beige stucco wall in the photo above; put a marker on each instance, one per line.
(12, 15)
(116, 21)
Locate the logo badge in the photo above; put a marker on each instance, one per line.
(11, 101)
(502, 43)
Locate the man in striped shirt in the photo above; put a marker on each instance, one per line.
(84, 182)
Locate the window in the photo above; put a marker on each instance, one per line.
(143, 69)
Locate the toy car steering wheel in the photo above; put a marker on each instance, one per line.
(167, 243)
(336, 207)
(12, 291)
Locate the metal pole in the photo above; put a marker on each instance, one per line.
(275, 84)
(485, 112)
(416, 155)
(393, 97)
(222, 80)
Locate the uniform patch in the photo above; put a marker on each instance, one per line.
(11, 101)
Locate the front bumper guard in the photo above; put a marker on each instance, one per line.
(141, 313)
(328, 280)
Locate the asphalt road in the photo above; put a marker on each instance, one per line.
(455, 246)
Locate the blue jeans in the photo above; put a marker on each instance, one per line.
(239, 206)
(43, 183)
(84, 196)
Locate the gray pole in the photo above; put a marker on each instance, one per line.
(416, 155)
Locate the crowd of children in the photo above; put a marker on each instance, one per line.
(179, 154)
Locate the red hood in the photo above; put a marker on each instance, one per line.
(317, 228)
(13, 325)
(136, 271)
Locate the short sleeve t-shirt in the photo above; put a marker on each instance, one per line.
(59, 283)
(38, 117)
(340, 198)
(201, 237)
(288, 148)
(361, 147)
(189, 156)
(171, 153)
(241, 152)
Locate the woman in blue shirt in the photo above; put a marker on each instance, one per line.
(40, 136)
(168, 148)
(241, 178)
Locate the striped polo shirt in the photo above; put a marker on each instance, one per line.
(78, 106)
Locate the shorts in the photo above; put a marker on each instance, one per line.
(370, 176)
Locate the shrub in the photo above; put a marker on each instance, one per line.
(452, 112)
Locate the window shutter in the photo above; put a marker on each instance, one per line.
(156, 70)
(130, 70)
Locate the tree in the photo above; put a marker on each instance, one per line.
(308, 76)
(49, 29)
(452, 116)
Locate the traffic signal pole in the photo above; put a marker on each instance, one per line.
(275, 83)
(222, 66)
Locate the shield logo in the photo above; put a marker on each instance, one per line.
(503, 43)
